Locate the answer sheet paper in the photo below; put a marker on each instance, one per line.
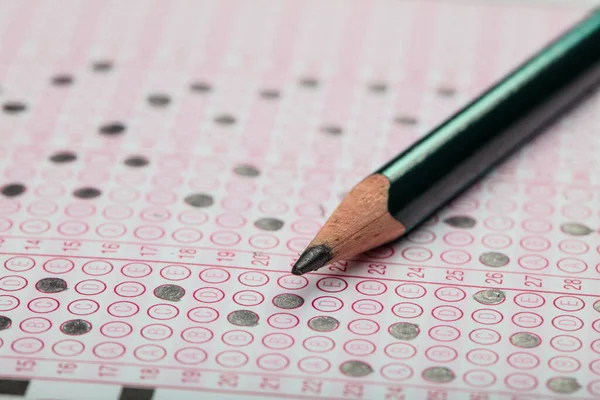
(165, 162)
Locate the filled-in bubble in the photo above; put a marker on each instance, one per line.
(525, 340)
(323, 324)
(460, 221)
(199, 200)
(63, 157)
(439, 374)
(246, 170)
(562, 384)
(76, 327)
(13, 189)
(169, 292)
(288, 301)
(404, 330)
(356, 368)
(494, 259)
(51, 285)
(490, 296)
(575, 229)
(243, 318)
(5, 322)
(86, 193)
(269, 224)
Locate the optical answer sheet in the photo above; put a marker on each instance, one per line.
(164, 163)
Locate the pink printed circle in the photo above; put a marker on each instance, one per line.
(363, 327)
(522, 360)
(278, 341)
(68, 348)
(130, 289)
(191, 356)
(136, 270)
(283, 321)
(8, 302)
(371, 288)
(318, 344)
(367, 307)
(116, 329)
(163, 312)
(156, 332)
(521, 382)
(19, 264)
(12, 283)
(248, 298)
(566, 343)
(482, 357)
(231, 359)
(150, 353)
(479, 378)
(441, 354)
(109, 350)
(411, 291)
(273, 362)
(35, 325)
(58, 266)
(314, 365)
(90, 287)
(444, 333)
(175, 272)
(450, 294)
(214, 275)
(123, 309)
(203, 314)
(331, 285)
(97, 268)
(237, 338)
(484, 336)
(40, 305)
(209, 295)
(529, 300)
(397, 372)
(257, 279)
(27, 345)
(327, 304)
(400, 351)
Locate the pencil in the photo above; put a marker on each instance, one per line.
(410, 188)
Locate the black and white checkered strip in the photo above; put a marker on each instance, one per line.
(35, 389)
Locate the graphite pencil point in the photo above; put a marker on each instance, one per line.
(312, 259)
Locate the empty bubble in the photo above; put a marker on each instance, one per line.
(14, 107)
(288, 301)
(404, 330)
(76, 327)
(13, 189)
(159, 100)
(269, 224)
(51, 285)
(199, 200)
(136, 161)
(460, 221)
(86, 193)
(5, 322)
(243, 318)
(356, 368)
(575, 229)
(323, 324)
(246, 170)
(494, 259)
(225, 119)
(63, 157)
(438, 374)
(561, 384)
(112, 129)
(490, 297)
(525, 340)
(169, 292)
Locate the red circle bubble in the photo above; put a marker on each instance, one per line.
(332, 285)
(116, 329)
(400, 351)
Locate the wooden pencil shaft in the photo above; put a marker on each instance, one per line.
(467, 145)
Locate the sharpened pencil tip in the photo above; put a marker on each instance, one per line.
(312, 259)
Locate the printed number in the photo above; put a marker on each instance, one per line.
(71, 245)
(260, 259)
(416, 273)
(572, 284)
(377, 269)
(187, 253)
(148, 250)
(340, 266)
(190, 376)
(107, 371)
(455, 275)
(494, 277)
(32, 244)
(149, 373)
(110, 248)
(25, 365)
(225, 256)
(533, 281)
(66, 368)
